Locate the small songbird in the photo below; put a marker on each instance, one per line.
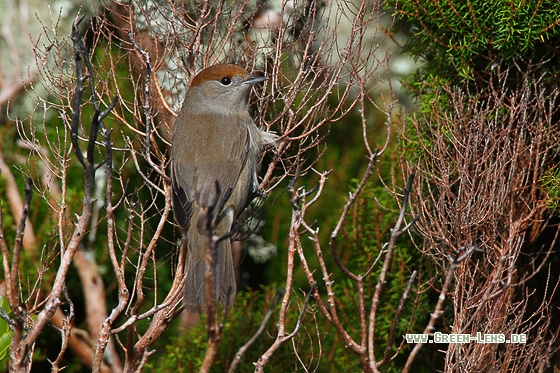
(215, 151)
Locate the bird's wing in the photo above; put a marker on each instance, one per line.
(213, 158)
(181, 198)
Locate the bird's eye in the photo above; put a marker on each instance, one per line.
(225, 81)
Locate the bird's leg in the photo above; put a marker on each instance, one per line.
(256, 192)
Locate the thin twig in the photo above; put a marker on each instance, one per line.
(65, 332)
(239, 354)
(280, 339)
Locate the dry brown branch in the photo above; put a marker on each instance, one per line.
(80, 347)
(479, 186)
(213, 325)
(65, 331)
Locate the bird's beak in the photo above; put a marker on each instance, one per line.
(255, 79)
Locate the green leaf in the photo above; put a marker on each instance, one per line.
(5, 333)
(5, 340)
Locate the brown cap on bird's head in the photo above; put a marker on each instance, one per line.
(225, 74)
(218, 72)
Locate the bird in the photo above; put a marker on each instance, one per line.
(215, 151)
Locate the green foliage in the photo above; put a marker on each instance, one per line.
(550, 182)
(459, 40)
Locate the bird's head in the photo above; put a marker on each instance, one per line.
(221, 88)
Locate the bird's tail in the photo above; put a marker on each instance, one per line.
(223, 273)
